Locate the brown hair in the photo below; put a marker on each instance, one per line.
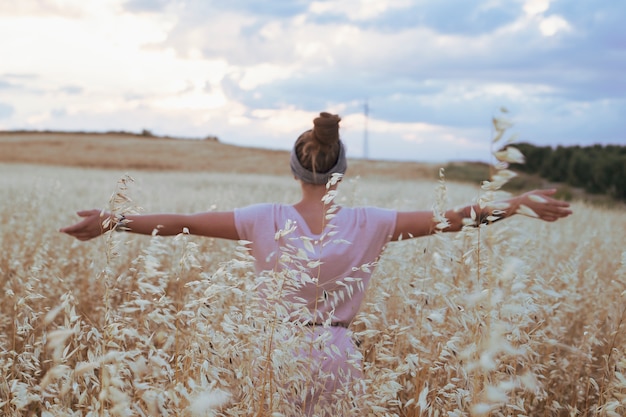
(318, 149)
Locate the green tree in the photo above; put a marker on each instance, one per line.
(579, 168)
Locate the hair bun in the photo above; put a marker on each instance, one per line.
(326, 129)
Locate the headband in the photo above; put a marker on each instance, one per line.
(318, 178)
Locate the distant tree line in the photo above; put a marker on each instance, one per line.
(598, 169)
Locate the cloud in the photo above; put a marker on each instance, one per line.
(440, 43)
(146, 5)
(71, 89)
(41, 8)
(6, 110)
(448, 17)
(357, 10)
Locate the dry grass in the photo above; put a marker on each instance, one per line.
(522, 318)
(126, 151)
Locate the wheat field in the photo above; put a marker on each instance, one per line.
(520, 318)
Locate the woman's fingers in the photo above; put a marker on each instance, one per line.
(75, 227)
(546, 207)
(547, 191)
(89, 227)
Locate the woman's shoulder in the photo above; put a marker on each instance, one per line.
(364, 215)
(256, 220)
(258, 207)
(371, 210)
(262, 210)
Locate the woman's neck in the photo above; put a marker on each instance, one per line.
(312, 207)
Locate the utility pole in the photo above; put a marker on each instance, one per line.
(366, 110)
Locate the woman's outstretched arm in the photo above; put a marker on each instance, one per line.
(540, 203)
(210, 224)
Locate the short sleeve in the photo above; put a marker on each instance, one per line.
(255, 222)
(378, 226)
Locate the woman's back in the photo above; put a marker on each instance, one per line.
(331, 269)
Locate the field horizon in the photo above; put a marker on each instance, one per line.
(128, 151)
(125, 150)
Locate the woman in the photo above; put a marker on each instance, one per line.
(336, 245)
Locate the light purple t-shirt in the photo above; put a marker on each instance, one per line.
(333, 268)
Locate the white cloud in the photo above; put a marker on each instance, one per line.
(216, 36)
(195, 98)
(357, 10)
(42, 8)
(421, 133)
(553, 24)
(96, 50)
(548, 25)
(288, 121)
(107, 54)
(536, 7)
(253, 76)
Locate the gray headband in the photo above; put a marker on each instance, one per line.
(318, 178)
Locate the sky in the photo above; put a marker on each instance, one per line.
(431, 73)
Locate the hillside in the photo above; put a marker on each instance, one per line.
(130, 151)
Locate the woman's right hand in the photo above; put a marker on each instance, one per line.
(91, 225)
